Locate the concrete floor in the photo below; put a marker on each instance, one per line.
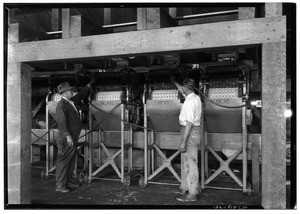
(113, 194)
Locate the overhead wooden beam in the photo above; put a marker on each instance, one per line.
(173, 12)
(55, 19)
(184, 38)
(141, 18)
(107, 16)
(246, 12)
(65, 16)
(153, 18)
(75, 26)
(273, 9)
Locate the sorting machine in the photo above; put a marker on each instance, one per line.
(162, 103)
(113, 109)
(226, 116)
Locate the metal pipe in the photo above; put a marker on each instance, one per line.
(211, 187)
(145, 146)
(244, 149)
(48, 138)
(54, 32)
(170, 184)
(122, 141)
(90, 145)
(120, 25)
(206, 14)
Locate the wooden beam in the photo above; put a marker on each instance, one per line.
(141, 18)
(55, 19)
(18, 133)
(184, 38)
(13, 33)
(173, 12)
(273, 9)
(246, 12)
(75, 26)
(273, 125)
(65, 23)
(107, 16)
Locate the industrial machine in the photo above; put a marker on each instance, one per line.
(225, 91)
(162, 105)
(114, 109)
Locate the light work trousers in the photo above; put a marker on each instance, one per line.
(189, 162)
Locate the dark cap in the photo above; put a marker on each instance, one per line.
(65, 86)
(190, 83)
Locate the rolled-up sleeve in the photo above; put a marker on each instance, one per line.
(61, 114)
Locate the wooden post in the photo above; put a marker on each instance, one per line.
(173, 12)
(55, 19)
(18, 127)
(141, 18)
(153, 18)
(273, 9)
(273, 125)
(273, 120)
(107, 16)
(75, 26)
(65, 23)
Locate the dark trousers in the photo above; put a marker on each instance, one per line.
(65, 162)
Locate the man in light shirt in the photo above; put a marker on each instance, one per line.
(69, 125)
(189, 119)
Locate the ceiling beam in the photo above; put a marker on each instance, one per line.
(184, 38)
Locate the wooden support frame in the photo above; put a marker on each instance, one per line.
(185, 38)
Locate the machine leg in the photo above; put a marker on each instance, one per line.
(244, 150)
(202, 162)
(145, 147)
(122, 141)
(205, 155)
(90, 149)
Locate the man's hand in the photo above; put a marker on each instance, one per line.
(92, 81)
(70, 141)
(181, 147)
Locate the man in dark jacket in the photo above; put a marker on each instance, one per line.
(69, 125)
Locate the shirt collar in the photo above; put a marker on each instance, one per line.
(190, 95)
(70, 101)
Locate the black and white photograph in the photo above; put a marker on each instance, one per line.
(149, 105)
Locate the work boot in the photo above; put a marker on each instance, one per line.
(187, 198)
(62, 189)
(72, 185)
(182, 191)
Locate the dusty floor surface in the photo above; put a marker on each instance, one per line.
(106, 194)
